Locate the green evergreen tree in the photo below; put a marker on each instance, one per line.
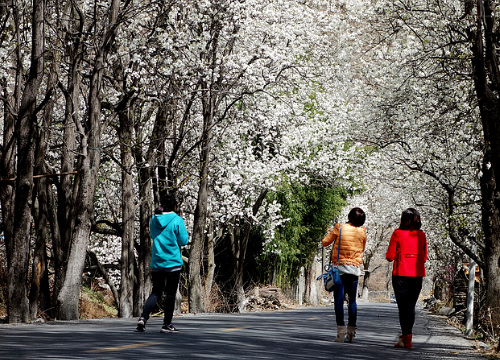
(309, 210)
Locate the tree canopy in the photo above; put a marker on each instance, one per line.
(258, 115)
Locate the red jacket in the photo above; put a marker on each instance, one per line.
(408, 249)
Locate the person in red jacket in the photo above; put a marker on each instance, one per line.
(408, 249)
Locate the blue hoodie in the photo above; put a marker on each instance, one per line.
(169, 234)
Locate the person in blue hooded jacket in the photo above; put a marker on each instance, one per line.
(169, 234)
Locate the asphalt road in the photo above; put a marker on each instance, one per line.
(305, 333)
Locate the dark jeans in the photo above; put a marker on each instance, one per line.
(350, 286)
(407, 289)
(163, 281)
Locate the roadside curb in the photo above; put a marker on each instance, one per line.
(438, 324)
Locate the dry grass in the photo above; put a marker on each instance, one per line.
(490, 354)
(215, 301)
(95, 304)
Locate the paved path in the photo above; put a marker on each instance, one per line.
(305, 333)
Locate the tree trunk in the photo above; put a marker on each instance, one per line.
(366, 280)
(311, 296)
(8, 153)
(72, 32)
(56, 239)
(40, 291)
(239, 243)
(67, 301)
(238, 293)
(487, 83)
(143, 286)
(65, 191)
(200, 215)
(196, 250)
(157, 158)
(366, 265)
(7, 170)
(301, 286)
(491, 228)
(469, 315)
(196, 257)
(18, 305)
(126, 308)
(161, 157)
(209, 279)
(39, 273)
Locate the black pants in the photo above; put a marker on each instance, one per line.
(407, 289)
(163, 281)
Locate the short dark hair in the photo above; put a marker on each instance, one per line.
(356, 216)
(167, 204)
(410, 220)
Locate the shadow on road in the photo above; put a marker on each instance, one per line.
(305, 333)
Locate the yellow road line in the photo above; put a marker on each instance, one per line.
(281, 322)
(124, 347)
(235, 329)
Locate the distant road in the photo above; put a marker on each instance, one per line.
(305, 333)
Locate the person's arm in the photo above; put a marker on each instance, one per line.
(425, 248)
(391, 250)
(331, 236)
(182, 235)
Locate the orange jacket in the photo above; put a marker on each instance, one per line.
(352, 244)
(408, 249)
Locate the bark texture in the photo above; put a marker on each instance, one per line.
(487, 83)
(18, 305)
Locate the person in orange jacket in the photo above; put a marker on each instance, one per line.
(408, 249)
(352, 245)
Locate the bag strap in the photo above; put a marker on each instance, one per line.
(338, 253)
(338, 248)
